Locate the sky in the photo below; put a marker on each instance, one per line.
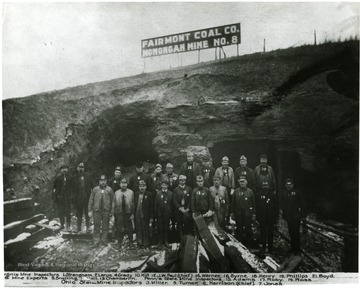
(48, 46)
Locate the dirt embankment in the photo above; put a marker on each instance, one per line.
(302, 118)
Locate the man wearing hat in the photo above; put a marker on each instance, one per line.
(201, 200)
(82, 184)
(144, 211)
(243, 211)
(100, 208)
(190, 169)
(114, 182)
(267, 210)
(123, 208)
(226, 175)
(171, 177)
(163, 206)
(173, 180)
(220, 199)
(264, 172)
(140, 175)
(244, 170)
(156, 178)
(182, 207)
(61, 196)
(207, 171)
(293, 213)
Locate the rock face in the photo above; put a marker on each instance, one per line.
(283, 103)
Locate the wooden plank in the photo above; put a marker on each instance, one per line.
(220, 234)
(254, 262)
(48, 227)
(238, 264)
(210, 245)
(21, 214)
(14, 229)
(290, 265)
(12, 251)
(171, 260)
(331, 229)
(204, 260)
(23, 203)
(188, 254)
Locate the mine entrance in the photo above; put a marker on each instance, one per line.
(125, 145)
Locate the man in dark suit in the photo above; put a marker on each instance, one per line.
(82, 184)
(114, 182)
(293, 213)
(182, 207)
(144, 211)
(61, 196)
(191, 170)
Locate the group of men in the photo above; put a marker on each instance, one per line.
(164, 199)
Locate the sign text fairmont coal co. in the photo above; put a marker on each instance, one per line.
(193, 40)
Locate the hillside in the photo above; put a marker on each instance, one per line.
(299, 105)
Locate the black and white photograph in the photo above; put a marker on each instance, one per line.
(180, 143)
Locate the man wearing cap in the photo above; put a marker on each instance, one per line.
(244, 170)
(123, 208)
(191, 170)
(264, 172)
(201, 200)
(226, 175)
(82, 184)
(243, 211)
(207, 171)
(182, 207)
(293, 213)
(221, 202)
(163, 206)
(140, 175)
(144, 205)
(171, 177)
(156, 178)
(61, 196)
(267, 210)
(114, 182)
(100, 208)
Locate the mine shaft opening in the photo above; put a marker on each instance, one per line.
(124, 144)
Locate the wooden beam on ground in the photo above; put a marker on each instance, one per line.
(17, 204)
(21, 214)
(188, 254)
(210, 244)
(48, 227)
(238, 264)
(332, 229)
(289, 265)
(204, 260)
(171, 260)
(13, 249)
(16, 228)
(254, 262)
(220, 234)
